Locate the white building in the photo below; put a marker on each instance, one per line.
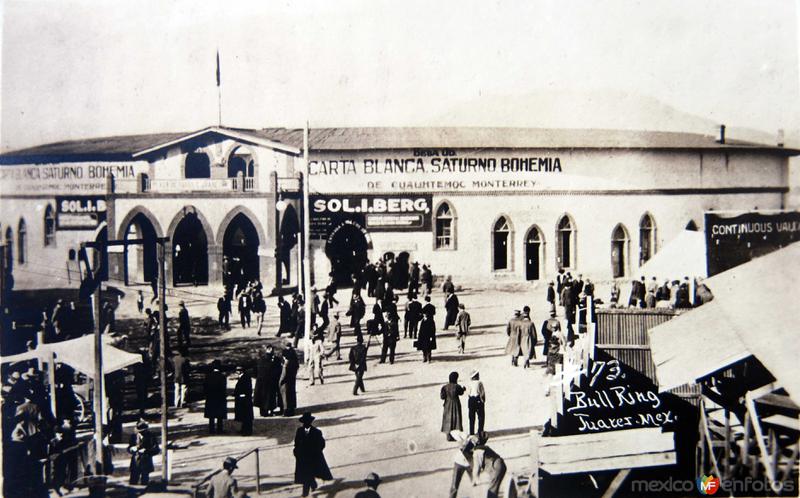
(483, 205)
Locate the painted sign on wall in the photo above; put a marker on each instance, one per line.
(396, 212)
(80, 212)
(733, 240)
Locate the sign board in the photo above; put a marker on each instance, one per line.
(733, 240)
(80, 212)
(374, 213)
(615, 397)
(81, 178)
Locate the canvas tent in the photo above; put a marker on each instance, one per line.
(78, 353)
(751, 314)
(684, 255)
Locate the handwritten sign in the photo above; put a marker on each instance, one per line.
(612, 399)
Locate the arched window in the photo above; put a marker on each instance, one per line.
(501, 239)
(22, 242)
(241, 161)
(533, 254)
(198, 165)
(49, 226)
(619, 251)
(565, 243)
(445, 227)
(647, 238)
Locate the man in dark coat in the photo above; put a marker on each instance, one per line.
(245, 306)
(180, 368)
(243, 401)
(428, 308)
(358, 364)
(451, 306)
(551, 296)
(142, 447)
(412, 317)
(391, 334)
(310, 462)
(413, 280)
(288, 380)
(264, 383)
(224, 309)
(215, 389)
(356, 313)
(286, 316)
(427, 337)
(142, 373)
(548, 327)
(184, 327)
(427, 279)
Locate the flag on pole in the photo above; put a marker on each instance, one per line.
(218, 77)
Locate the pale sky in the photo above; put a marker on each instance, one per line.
(75, 69)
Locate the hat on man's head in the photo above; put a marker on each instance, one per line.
(307, 418)
(372, 479)
(141, 425)
(516, 312)
(552, 313)
(229, 463)
(526, 309)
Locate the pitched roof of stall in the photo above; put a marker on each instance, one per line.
(127, 147)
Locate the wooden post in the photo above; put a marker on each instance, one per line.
(163, 357)
(258, 473)
(97, 380)
(51, 379)
(277, 213)
(533, 484)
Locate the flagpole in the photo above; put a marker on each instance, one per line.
(219, 92)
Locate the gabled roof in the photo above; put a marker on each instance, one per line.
(354, 139)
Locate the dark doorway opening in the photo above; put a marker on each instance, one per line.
(198, 165)
(619, 242)
(240, 247)
(533, 256)
(347, 251)
(189, 252)
(500, 238)
(141, 260)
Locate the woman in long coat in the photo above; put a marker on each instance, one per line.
(426, 341)
(310, 461)
(451, 414)
(451, 305)
(263, 381)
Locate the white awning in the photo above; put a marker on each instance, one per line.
(684, 255)
(79, 354)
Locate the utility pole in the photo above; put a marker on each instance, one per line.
(163, 357)
(306, 239)
(97, 395)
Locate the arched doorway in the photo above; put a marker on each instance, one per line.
(533, 254)
(347, 251)
(619, 250)
(647, 238)
(198, 165)
(141, 260)
(240, 248)
(500, 242)
(565, 242)
(290, 228)
(189, 252)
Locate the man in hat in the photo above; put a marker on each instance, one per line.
(142, 447)
(335, 336)
(551, 296)
(358, 364)
(476, 399)
(215, 389)
(223, 485)
(485, 462)
(310, 462)
(548, 327)
(184, 327)
(513, 346)
(463, 323)
(372, 481)
(180, 368)
(224, 310)
(391, 334)
(413, 314)
(243, 401)
(528, 338)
